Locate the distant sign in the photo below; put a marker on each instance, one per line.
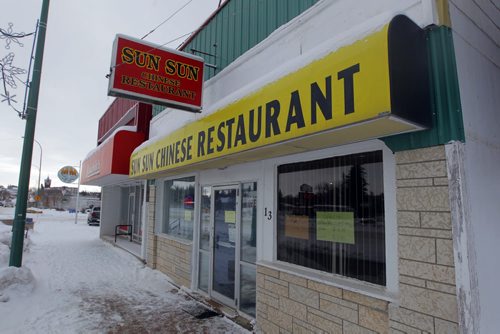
(148, 72)
(67, 174)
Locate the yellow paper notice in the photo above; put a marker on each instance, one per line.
(230, 217)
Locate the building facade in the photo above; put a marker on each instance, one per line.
(123, 127)
(341, 176)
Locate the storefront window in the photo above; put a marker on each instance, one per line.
(331, 216)
(247, 289)
(205, 218)
(248, 250)
(204, 250)
(249, 222)
(178, 203)
(203, 271)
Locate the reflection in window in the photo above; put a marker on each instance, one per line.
(247, 289)
(331, 216)
(203, 271)
(178, 203)
(205, 218)
(248, 221)
(248, 242)
(204, 250)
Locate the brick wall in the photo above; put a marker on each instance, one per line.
(427, 300)
(169, 256)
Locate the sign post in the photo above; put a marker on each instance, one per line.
(78, 193)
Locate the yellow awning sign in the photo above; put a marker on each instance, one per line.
(360, 91)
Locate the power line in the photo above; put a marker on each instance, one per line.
(154, 29)
(168, 18)
(173, 40)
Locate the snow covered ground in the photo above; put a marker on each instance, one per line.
(73, 282)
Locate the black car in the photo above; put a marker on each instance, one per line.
(94, 216)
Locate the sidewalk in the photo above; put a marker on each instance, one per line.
(85, 285)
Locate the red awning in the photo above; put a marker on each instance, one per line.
(109, 162)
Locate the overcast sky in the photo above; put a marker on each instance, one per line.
(73, 93)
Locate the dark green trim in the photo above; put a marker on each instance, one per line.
(447, 122)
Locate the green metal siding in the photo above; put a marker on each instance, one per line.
(445, 97)
(239, 26)
(157, 109)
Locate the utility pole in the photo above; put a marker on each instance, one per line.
(16, 250)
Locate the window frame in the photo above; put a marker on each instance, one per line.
(309, 249)
(159, 208)
(387, 292)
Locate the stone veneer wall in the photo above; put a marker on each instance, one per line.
(167, 255)
(427, 301)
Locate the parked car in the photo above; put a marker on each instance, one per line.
(94, 216)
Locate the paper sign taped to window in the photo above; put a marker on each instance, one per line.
(188, 215)
(335, 226)
(230, 217)
(297, 226)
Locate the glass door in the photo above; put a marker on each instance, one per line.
(227, 245)
(226, 221)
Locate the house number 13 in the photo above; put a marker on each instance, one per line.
(268, 214)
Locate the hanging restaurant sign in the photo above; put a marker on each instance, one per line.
(374, 87)
(147, 72)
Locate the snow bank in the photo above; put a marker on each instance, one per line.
(5, 234)
(5, 239)
(15, 281)
(4, 255)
